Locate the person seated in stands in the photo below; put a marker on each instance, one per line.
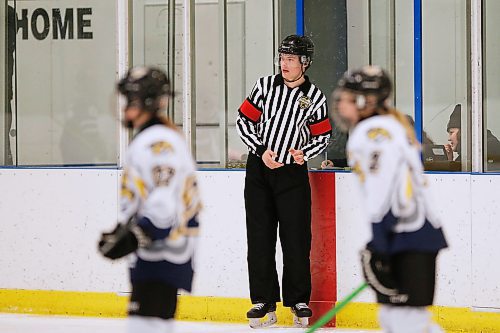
(453, 147)
(453, 127)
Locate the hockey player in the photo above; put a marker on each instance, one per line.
(399, 261)
(159, 205)
(284, 122)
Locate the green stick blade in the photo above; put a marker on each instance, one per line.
(330, 314)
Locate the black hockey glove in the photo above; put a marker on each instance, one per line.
(378, 274)
(123, 240)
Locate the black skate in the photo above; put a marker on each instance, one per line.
(301, 313)
(259, 311)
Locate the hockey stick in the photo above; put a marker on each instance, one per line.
(331, 313)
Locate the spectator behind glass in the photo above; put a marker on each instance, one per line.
(455, 142)
(454, 136)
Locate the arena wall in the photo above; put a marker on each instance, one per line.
(52, 218)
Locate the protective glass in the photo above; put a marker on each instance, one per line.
(342, 123)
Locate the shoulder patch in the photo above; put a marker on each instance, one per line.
(126, 191)
(359, 172)
(379, 134)
(161, 147)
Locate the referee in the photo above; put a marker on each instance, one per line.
(284, 122)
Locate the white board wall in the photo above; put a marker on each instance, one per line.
(51, 220)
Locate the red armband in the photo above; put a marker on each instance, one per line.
(250, 111)
(321, 127)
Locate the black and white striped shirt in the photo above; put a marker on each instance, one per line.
(278, 118)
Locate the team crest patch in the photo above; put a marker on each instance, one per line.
(162, 175)
(161, 147)
(378, 134)
(304, 102)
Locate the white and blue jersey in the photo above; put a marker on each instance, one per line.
(159, 188)
(396, 194)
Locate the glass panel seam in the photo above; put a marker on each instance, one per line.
(189, 110)
(417, 59)
(123, 53)
(476, 87)
(4, 77)
(223, 97)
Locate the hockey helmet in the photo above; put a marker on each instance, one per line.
(146, 86)
(302, 46)
(368, 80)
(362, 82)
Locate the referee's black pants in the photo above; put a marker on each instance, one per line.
(278, 198)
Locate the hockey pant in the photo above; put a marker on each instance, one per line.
(152, 307)
(414, 275)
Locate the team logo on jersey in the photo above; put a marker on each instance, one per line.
(378, 134)
(304, 102)
(162, 175)
(161, 147)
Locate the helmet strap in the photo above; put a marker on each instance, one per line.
(302, 72)
(294, 80)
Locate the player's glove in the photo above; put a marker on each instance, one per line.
(123, 240)
(378, 274)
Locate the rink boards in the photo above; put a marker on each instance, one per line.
(51, 219)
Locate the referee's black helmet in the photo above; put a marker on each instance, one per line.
(298, 45)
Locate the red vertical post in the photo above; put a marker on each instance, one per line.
(323, 247)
